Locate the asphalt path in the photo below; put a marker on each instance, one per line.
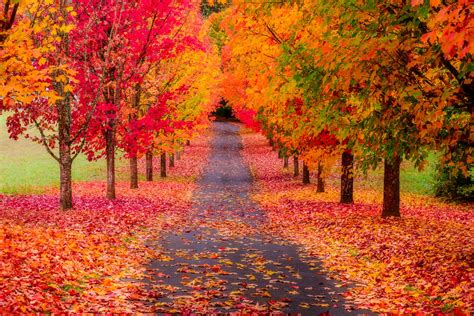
(220, 261)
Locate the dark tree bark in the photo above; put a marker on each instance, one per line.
(296, 167)
(65, 141)
(285, 162)
(6, 22)
(110, 158)
(149, 166)
(65, 199)
(320, 179)
(163, 165)
(171, 160)
(133, 173)
(305, 173)
(280, 154)
(111, 95)
(188, 143)
(133, 159)
(178, 155)
(347, 178)
(391, 188)
(65, 159)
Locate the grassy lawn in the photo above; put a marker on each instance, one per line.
(412, 180)
(417, 181)
(26, 167)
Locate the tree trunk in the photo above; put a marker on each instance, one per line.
(65, 158)
(8, 21)
(149, 166)
(285, 162)
(133, 159)
(305, 173)
(112, 95)
(171, 160)
(347, 178)
(188, 143)
(320, 179)
(133, 173)
(178, 154)
(110, 157)
(296, 166)
(65, 167)
(280, 154)
(270, 142)
(163, 165)
(391, 188)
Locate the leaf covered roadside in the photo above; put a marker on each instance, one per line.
(89, 259)
(420, 263)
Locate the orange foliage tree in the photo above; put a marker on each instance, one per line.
(380, 81)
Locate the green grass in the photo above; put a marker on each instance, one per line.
(415, 181)
(412, 180)
(26, 167)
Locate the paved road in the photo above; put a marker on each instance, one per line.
(222, 262)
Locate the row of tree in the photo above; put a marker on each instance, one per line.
(94, 76)
(365, 82)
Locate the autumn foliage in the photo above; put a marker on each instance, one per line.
(420, 263)
(57, 261)
(382, 81)
(92, 77)
(341, 87)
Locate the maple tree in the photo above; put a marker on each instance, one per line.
(90, 60)
(156, 53)
(398, 266)
(132, 37)
(51, 108)
(341, 87)
(176, 98)
(259, 64)
(377, 77)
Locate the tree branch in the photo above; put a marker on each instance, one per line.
(45, 143)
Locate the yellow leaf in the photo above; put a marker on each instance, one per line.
(68, 88)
